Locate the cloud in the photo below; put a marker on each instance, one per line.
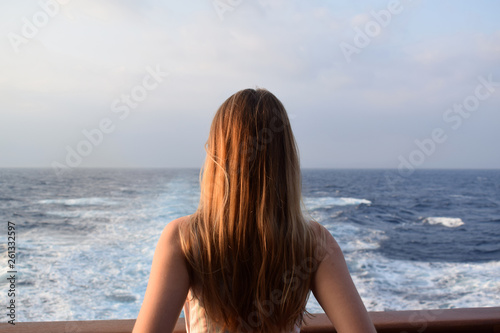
(93, 52)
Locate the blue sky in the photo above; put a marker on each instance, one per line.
(412, 95)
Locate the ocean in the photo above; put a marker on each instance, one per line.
(85, 241)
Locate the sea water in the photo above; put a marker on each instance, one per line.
(85, 241)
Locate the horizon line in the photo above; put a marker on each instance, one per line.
(302, 167)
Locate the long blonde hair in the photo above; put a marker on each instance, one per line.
(248, 245)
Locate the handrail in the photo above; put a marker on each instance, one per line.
(418, 321)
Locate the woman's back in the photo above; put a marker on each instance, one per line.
(247, 257)
(197, 320)
(248, 237)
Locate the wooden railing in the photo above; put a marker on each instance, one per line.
(475, 320)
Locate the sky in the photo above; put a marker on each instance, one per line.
(373, 84)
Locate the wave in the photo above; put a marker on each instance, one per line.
(79, 202)
(327, 202)
(388, 284)
(450, 222)
(7, 199)
(84, 214)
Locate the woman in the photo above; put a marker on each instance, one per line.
(247, 259)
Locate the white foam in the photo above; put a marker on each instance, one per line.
(3, 268)
(104, 274)
(81, 213)
(352, 238)
(388, 284)
(327, 202)
(79, 201)
(450, 222)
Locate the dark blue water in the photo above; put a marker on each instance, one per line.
(399, 206)
(86, 240)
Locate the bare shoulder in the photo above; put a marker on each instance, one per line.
(334, 289)
(319, 230)
(168, 284)
(326, 245)
(177, 223)
(170, 237)
(315, 226)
